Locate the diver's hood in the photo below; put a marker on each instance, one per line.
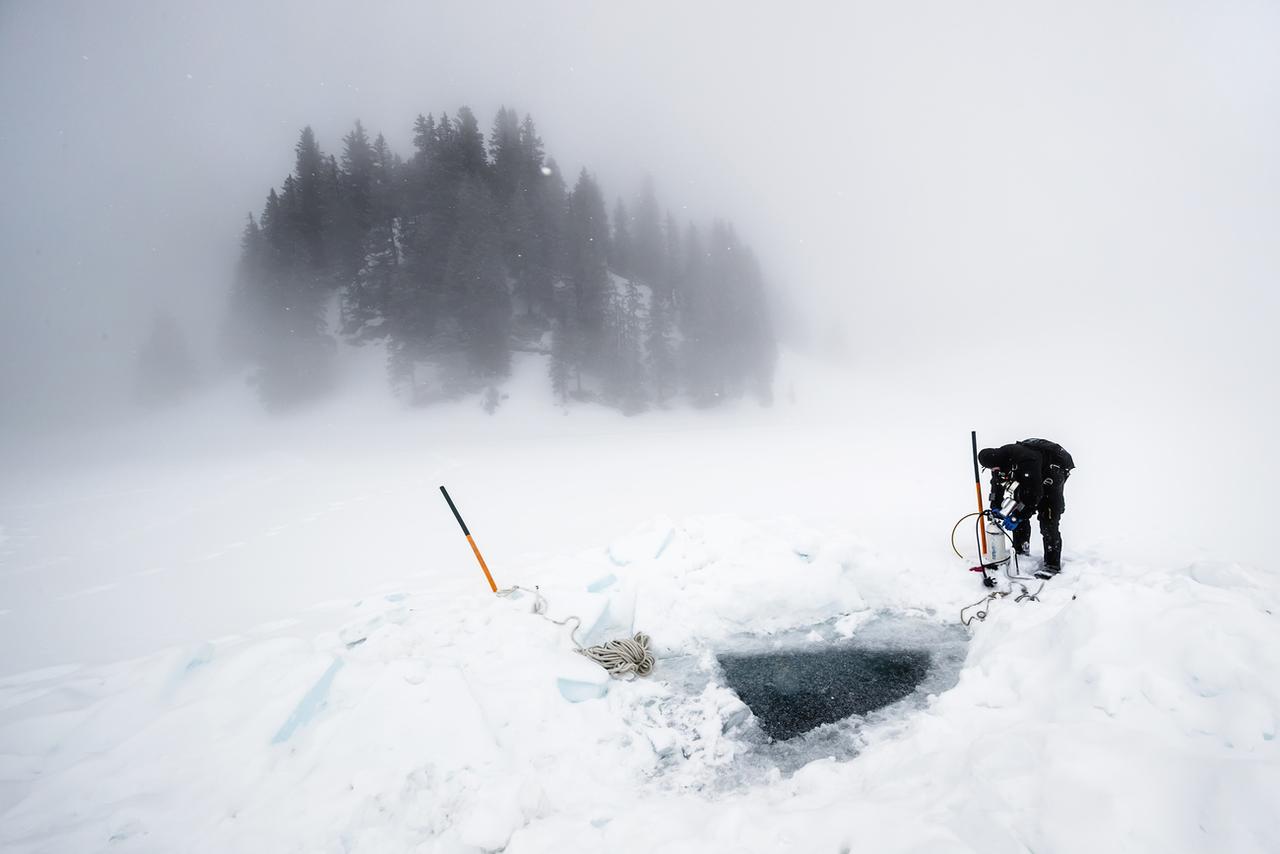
(991, 458)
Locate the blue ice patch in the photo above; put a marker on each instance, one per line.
(601, 583)
(576, 691)
(311, 703)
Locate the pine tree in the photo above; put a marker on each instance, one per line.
(621, 250)
(385, 189)
(624, 367)
(295, 359)
(308, 209)
(441, 147)
(417, 298)
(366, 301)
(353, 214)
(586, 268)
(516, 169)
(548, 205)
(476, 291)
(469, 145)
(531, 152)
(508, 156)
(417, 190)
(647, 235)
(520, 249)
(424, 138)
(669, 282)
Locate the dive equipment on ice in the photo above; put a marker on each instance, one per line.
(992, 527)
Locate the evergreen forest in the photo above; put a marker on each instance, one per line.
(475, 249)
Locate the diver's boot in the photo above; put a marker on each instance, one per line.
(1052, 565)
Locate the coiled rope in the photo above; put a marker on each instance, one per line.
(618, 657)
(623, 656)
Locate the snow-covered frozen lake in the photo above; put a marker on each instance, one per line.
(226, 634)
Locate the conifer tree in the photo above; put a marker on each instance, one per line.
(505, 146)
(621, 250)
(669, 282)
(548, 204)
(624, 366)
(647, 235)
(366, 301)
(353, 209)
(515, 170)
(385, 196)
(418, 292)
(475, 285)
(425, 137)
(308, 202)
(586, 266)
(469, 144)
(520, 249)
(531, 151)
(295, 359)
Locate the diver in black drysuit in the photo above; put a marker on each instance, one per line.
(1040, 468)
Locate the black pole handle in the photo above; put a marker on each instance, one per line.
(973, 434)
(458, 515)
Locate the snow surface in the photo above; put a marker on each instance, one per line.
(223, 633)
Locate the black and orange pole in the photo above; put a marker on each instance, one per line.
(977, 487)
(467, 533)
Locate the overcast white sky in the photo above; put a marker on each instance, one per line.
(1090, 179)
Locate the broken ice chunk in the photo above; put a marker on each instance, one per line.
(580, 679)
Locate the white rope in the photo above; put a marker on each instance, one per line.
(618, 657)
(623, 656)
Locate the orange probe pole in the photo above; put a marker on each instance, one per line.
(977, 488)
(467, 533)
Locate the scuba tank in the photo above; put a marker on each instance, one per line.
(998, 522)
